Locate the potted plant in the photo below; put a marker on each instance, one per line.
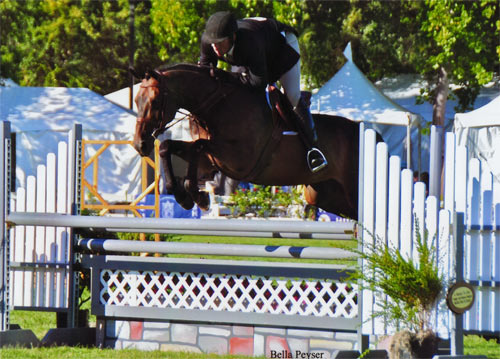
(412, 289)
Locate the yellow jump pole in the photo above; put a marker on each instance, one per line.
(157, 184)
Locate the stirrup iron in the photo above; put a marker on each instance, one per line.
(315, 151)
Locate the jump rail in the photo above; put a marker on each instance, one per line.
(244, 250)
(166, 225)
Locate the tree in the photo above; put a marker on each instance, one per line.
(178, 25)
(446, 41)
(383, 36)
(321, 40)
(72, 43)
(460, 43)
(86, 43)
(15, 18)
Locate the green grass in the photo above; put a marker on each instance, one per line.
(344, 244)
(86, 353)
(476, 345)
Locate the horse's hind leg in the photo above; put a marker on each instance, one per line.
(191, 182)
(332, 197)
(180, 148)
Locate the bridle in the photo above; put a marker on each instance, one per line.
(163, 123)
(206, 106)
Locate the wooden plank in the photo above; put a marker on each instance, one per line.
(485, 309)
(50, 232)
(449, 172)
(473, 239)
(381, 192)
(461, 179)
(95, 156)
(435, 164)
(394, 201)
(431, 228)
(368, 221)
(444, 255)
(496, 258)
(418, 217)
(29, 279)
(381, 219)
(112, 142)
(406, 213)
(40, 254)
(393, 212)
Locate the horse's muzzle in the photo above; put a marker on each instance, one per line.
(143, 147)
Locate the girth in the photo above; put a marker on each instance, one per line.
(279, 104)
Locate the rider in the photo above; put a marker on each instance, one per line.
(262, 51)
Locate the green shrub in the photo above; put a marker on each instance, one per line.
(149, 237)
(413, 287)
(266, 201)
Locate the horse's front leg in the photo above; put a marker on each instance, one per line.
(191, 182)
(181, 149)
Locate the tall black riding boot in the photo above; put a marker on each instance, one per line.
(315, 158)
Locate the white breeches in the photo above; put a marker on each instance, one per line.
(291, 79)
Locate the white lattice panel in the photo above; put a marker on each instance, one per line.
(233, 293)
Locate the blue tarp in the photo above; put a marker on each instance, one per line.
(169, 208)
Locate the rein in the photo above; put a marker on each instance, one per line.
(213, 99)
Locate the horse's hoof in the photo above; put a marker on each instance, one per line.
(184, 200)
(203, 201)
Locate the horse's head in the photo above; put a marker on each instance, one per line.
(154, 111)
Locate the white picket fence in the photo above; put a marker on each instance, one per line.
(39, 256)
(393, 203)
(474, 193)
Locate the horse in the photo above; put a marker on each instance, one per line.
(207, 172)
(244, 139)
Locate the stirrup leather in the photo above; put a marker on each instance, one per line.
(317, 153)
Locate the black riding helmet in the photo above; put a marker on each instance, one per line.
(219, 27)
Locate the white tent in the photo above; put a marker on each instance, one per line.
(41, 117)
(405, 88)
(350, 94)
(180, 131)
(122, 97)
(480, 131)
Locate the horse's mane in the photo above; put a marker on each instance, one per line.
(187, 67)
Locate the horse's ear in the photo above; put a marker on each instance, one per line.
(134, 73)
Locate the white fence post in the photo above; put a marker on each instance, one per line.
(381, 216)
(435, 161)
(406, 213)
(368, 220)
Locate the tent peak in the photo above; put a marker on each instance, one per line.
(348, 52)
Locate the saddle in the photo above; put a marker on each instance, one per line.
(284, 123)
(282, 109)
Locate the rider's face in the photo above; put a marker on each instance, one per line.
(221, 48)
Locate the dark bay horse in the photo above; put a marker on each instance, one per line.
(243, 139)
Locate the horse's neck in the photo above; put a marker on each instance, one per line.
(194, 90)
